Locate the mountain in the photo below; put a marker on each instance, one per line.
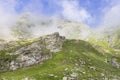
(107, 38)
(73, 30)
(67, 28)
(53, 57)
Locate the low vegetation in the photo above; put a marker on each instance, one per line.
(78, 60)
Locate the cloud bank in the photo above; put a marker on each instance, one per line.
(44, 10)
(7, 16)
(10, 10)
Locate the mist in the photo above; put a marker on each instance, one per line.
(110, 19)
(71, 20)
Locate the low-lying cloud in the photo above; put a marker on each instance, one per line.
(7, 17)
(111, 17)
(68, 9)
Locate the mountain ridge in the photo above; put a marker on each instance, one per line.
(75, 60)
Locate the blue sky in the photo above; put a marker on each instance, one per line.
(90, 12)
(51, 7)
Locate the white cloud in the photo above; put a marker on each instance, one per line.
(111, 18)
(72, 11)
(7, 16)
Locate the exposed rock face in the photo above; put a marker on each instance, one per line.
(28, 60)
(114, 63)
(51, 41)
(36, 52)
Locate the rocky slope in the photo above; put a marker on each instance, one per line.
(52, 57)
(33, 53)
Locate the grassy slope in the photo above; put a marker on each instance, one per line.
(76, 57)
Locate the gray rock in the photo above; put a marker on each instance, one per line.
(54, 42)
(65, 78)
(34, 53)
(114, 63)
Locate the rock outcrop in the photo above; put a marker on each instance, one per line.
(34, 53)
(114, 62)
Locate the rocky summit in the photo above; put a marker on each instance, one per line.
(33, 53)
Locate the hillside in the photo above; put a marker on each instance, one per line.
(57, 58)
(67, 28)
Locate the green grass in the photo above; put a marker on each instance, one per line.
(76, 57)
